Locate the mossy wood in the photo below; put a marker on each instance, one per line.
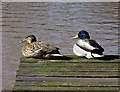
(69, 73)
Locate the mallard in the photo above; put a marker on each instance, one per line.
(40, 49)
(86, 47)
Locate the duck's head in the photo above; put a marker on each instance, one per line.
(29, 39)
(82, 35)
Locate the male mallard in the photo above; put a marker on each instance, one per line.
(32, 48)
(86, 47)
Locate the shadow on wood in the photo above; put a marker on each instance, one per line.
(109, 57)
(57, 58)
(70, 57)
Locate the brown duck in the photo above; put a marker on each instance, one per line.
(40, 49)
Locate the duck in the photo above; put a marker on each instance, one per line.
(38, 49)
(86, 47)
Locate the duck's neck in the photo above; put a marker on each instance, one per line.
(85, 40)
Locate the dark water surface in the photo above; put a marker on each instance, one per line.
(55, 23)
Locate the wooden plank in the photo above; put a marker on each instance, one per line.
(25, 78)
(71, 73)
(67, 69)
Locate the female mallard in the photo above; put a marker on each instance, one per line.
(32, 48)
(85, 47)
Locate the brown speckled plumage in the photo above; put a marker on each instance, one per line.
(32, 48)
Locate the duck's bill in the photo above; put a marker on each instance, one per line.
(22, 41)
(75, 37)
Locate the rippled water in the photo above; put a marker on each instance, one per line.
(55, 23)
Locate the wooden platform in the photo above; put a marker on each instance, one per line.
(68, 74)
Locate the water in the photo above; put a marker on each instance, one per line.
(55, 23)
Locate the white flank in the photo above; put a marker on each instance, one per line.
(56, 55)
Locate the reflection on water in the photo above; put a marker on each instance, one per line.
(55, 23)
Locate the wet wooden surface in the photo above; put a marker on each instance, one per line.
(68, 74)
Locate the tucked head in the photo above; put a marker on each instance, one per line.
(82, 35)
(29, 39)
